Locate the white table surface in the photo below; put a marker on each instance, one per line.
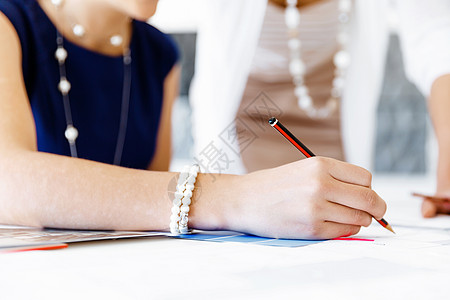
(414, 264)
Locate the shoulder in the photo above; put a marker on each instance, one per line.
(15, 11)
(20, 14)
(160, 46)
(158, 39)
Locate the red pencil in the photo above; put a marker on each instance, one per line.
(34, 248)
(308, 153)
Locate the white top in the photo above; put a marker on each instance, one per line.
(228, 38)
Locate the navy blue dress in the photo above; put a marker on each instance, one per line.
(96, 93)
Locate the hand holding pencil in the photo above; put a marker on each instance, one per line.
(358, 185)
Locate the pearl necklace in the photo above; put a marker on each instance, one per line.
(80, 31)
(297, 70)
(64, 86)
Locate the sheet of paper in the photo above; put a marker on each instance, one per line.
(11, 237)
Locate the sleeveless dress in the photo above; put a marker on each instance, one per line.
(96, 93)
(270, 92)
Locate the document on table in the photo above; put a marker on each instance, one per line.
(12, 237)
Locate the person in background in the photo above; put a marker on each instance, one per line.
(317, 66)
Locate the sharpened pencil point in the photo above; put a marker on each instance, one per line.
(388, 227)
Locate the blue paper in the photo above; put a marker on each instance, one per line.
(227, 236)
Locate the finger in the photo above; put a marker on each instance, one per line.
(434, 208)
(349, 173)
(357, 197)
(331, 230)
(443, 207)
(345, 215)
(429, 209)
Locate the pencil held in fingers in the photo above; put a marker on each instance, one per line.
(386, 225)
(308, 153)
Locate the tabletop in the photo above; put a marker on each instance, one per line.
(413, 264)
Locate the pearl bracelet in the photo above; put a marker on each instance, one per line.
(180, 210)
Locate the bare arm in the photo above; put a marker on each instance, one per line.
(41, 189)
(439, 106)
(161, 159)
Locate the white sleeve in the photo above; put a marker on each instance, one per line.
(424, 30)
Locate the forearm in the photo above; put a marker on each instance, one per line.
(41, 189)
(439, 106)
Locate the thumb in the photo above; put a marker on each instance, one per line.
(429, 209)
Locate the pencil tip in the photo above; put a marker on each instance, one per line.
(388, 227)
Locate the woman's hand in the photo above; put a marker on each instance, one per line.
(315, 198)
(431, 208)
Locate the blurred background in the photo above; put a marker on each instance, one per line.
(404, 139)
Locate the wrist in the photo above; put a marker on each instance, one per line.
(443, 172)
(212, 202)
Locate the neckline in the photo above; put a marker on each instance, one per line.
(88, 51)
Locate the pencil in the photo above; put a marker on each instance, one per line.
(435, 199)
(308, 153)
(34, 248)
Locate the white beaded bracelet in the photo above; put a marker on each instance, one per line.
(182, 199)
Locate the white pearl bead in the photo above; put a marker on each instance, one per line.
(78, 30)
(174, 218)
(184, 230)
(301, 91)
(185, 209)
(176, 202)
(116, 40)
(296, 67)
(187, 194)
(336, 93)
(194, 170)
(189, 187)
(178, 195)
(61, 55)
(71, 133)
(57, 2)
(292, 2)
(127, 59)
(305, 103)
(322, 113)
(64, 86)
(187, 202)
(183, 177)
(191, 180)
(176, 210)
(345, 5)
(184, 220)
(338, 82)
(292, 17)
(294, 44)
(342, 59)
